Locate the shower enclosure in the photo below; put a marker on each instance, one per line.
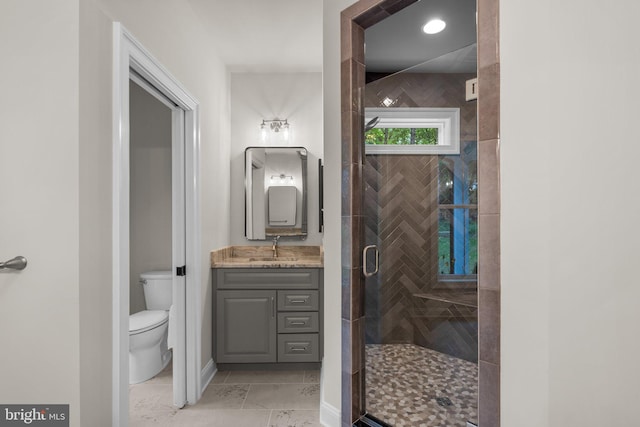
(420, 211)
(421, 336)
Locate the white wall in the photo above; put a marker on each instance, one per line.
(39, 211)
(95, 217)
(150, 190)
(569, 152)
(174, 34)
(296, 97)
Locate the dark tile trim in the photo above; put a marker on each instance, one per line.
(489, 387)
(489, 323)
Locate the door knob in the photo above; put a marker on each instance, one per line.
(17, 263)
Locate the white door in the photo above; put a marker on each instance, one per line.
(39, 218)
(178, 337)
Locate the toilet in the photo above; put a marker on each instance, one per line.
(148, 352)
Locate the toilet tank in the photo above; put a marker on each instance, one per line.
(158, 289)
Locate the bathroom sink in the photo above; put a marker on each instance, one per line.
(282, 259)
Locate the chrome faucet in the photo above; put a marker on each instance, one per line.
(274, 247)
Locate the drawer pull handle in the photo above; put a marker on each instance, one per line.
(298, 301)
(297, 323)
(298, 349)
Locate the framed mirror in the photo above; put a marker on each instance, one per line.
(275, 180)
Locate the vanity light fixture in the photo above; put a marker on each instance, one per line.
(276, 125)
(434, 26)
(281, 179)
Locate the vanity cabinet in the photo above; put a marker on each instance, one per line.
(246, 323)
(267, 315)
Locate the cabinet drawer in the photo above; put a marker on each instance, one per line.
(292, 322)
(298, 300)
(266, 278)
(298, 348)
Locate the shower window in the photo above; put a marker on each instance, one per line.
(403, 136)
(413, 131)
(458, 214)
(457, 241)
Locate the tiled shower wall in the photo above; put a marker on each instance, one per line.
(401, 206)
(400, 195)
(354, 20)
(435, 90)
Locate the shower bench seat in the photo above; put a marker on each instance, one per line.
(447, 321)
(466, 298)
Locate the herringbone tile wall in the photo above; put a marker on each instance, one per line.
(401, 218)
(433, 90)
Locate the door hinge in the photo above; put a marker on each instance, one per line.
(181, 271)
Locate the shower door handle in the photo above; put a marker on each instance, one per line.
(365, 251)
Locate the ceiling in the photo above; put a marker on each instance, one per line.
(398, 43)
(265, 35)
(286, 36)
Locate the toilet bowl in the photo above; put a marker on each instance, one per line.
(148, 352)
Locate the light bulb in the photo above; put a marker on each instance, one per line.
(263, 133)
(434, 26)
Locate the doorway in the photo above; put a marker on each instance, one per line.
(156, 240)
(133, 62)
(355, 20)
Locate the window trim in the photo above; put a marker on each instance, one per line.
(446, 120)
(457, 277)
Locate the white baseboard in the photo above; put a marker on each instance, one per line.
(206, 375)
(329, 415)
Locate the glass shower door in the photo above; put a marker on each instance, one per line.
(420, 209)
(421, 320)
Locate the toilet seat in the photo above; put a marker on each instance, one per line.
(146, 320)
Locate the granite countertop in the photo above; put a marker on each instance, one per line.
(262, 257)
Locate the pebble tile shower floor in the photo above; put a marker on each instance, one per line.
(233, 399)
(412, 386)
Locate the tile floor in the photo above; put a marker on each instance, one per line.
(234, 398)
(409, 385)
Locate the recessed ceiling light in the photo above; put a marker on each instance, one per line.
(434, 26)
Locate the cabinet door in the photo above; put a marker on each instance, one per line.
(246, 327)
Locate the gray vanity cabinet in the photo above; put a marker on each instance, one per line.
(245, 326)
(267, 315)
